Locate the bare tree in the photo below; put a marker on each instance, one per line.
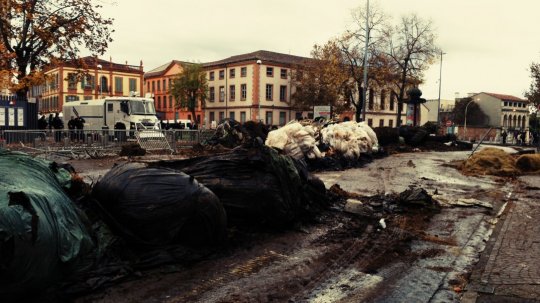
(37, 32)
(352, 45)
(411, 50)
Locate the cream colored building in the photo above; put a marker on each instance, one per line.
(504, 111)
(251, 87)
(100, 78)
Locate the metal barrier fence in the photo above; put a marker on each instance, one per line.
(151, 140)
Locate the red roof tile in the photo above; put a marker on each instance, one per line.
(505, 97)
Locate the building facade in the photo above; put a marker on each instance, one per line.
(251, 87)
(157, 85)
(504, 111)
(96, 79)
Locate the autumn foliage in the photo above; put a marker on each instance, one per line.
(34, 33)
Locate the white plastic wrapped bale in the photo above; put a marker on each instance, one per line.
(372, 135)
(295, 140)
(349, 139)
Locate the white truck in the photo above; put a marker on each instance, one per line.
(129, 113)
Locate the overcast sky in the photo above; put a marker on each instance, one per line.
(489, 44)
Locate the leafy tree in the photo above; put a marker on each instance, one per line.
(323, 80)
(533, 94)
(188, 87)
(412, 50)
(475, 115)
(34, 33)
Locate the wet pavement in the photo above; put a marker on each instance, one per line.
(509, 269)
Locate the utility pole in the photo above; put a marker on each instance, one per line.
(364, 88)
(440, 82)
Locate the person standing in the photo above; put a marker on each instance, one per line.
(58, 126)
(79, 125)
(50, 122)
(503, 135)
(42, 123)
(71, 127)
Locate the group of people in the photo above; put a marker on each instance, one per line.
(75, 126)
(519, 137)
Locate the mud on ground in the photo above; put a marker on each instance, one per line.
(341, 256)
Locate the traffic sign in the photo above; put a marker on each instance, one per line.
(448, 123)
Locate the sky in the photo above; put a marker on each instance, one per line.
(488, 44)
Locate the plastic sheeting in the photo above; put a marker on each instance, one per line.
(159, 206)
(42, 237)
(257, 186)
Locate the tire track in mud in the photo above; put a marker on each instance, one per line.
(364, 256)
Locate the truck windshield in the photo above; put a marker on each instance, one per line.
(142, 108)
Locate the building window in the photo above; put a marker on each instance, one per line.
(243, 71)
(381, 123)
(170, 102)
(153, 86)
(221, 93)
(70, 98)
(72, 81)
(159, 101)
(232, 73)
(283, 73)
(132, 85)
(269, 92)
(158, 86)
(391, 123)
(242, 117)
(212, 117)
(243, 92)
(283, 93)
(269, 118)
(269, 71)
(221, 116)
(232, 92)
(231, 116)
(392, 101)
(282, 118)
(164, 85)
(212, 96)
(118, 85)
(211, 76)
(87, 82)
(370, 122)
(221, 74)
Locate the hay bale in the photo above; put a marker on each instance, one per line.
(529, 163)
(490, 161)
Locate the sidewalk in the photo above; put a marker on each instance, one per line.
(509, 267)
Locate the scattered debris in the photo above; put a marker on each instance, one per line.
(132, 150)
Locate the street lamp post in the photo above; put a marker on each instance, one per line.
(440, 83)
(465, 122)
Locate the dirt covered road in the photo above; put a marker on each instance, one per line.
(344, 255)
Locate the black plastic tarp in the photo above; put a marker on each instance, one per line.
(159, 206)
(257, 186)
(42, 236)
